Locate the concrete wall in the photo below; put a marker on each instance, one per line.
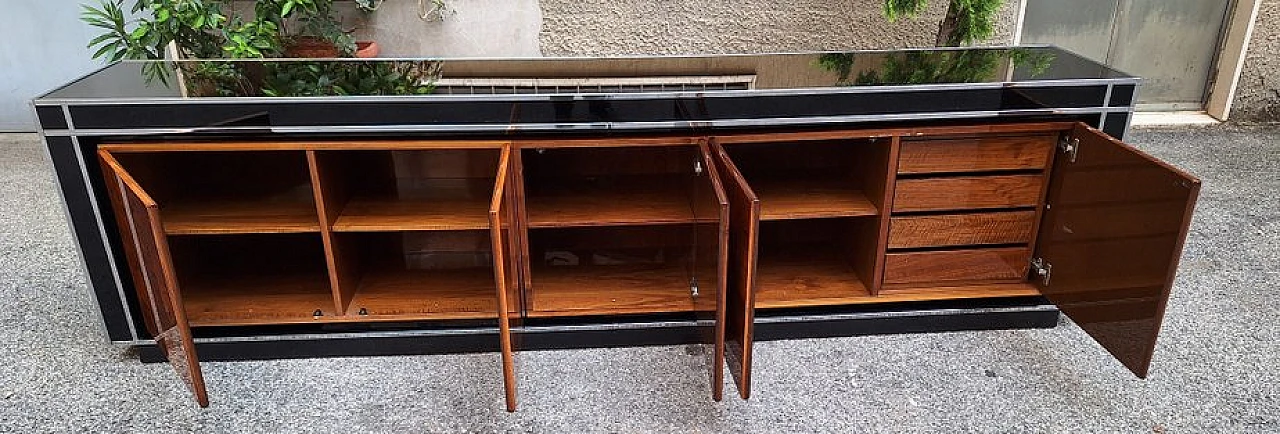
(44, 46)
(603, 27)
(1258, 95)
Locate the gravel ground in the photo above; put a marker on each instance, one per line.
(1214, 371)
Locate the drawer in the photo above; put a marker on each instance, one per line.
(967, 192)
(961, 229)
(976, 154)
(956, 266)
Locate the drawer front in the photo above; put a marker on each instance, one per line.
(976, 154)
(968, 266)
(967, 192)
(961, 229)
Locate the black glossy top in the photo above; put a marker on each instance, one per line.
(500, 78)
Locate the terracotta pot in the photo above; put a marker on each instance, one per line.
(311, 47)
(367, 49)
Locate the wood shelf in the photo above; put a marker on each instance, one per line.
(633, 204)
(425, 295)
(370, 214)
(240, 217)
(616, 289)
(827, 281)
(238, 299)
(801, 281)
(782, 199)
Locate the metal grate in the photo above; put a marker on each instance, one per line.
(495, 86)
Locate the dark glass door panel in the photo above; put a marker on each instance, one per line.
(160, 283)
(1111, 239)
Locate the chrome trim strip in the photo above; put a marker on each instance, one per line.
(545, 127)
(102, 231)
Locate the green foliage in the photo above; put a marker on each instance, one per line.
(189, 23)
(931, 67)
(293, 79)
(201, 30)
(895, 9)
(967, 21)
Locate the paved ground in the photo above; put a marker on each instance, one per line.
(1215, 369)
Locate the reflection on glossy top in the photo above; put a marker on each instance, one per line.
(544, 76)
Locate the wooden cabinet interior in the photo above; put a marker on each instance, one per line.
(719, 227)
(620, 230)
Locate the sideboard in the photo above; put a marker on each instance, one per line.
(516, 204)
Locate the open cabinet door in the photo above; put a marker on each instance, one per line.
(1110, 241)
(712, 259)
(744, 227)
(160, 284)
(502, 229)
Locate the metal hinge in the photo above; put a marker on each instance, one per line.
(697, 167)
(1042, 269)
(693, 287)
(1069, 146)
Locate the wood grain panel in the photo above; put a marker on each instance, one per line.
(936, 268)
(372, 214)
(634, 204)
(975, 154)
(807, 281)
(616, 289)
(967, 192)
(240, 217)
(961, 229)
(303, 145)
(744, 226)
(241, 299)
(782, 199)
(426, 294)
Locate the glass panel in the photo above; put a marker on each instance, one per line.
(1113, 236)
(549, 76)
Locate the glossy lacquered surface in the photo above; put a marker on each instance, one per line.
(784, 71)
(1113, 238)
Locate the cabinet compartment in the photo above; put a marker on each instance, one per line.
(620, 270)
(419, 275)
(408, 190)
(252, 279)
(976, 154)
(814, 262)
(214, 192)
(814, 179)
(614, 186)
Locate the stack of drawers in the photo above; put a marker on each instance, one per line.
(965, 210)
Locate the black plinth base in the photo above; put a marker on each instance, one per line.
(1014, 313)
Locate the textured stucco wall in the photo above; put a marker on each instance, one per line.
(1258, 94)
(604, 27)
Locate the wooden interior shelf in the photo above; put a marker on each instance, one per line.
(425, 295)
(374, 214)
(616, 289)
(810, 280)
(618, 205)
(246, 216)
(237, 299)
(782, 199)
